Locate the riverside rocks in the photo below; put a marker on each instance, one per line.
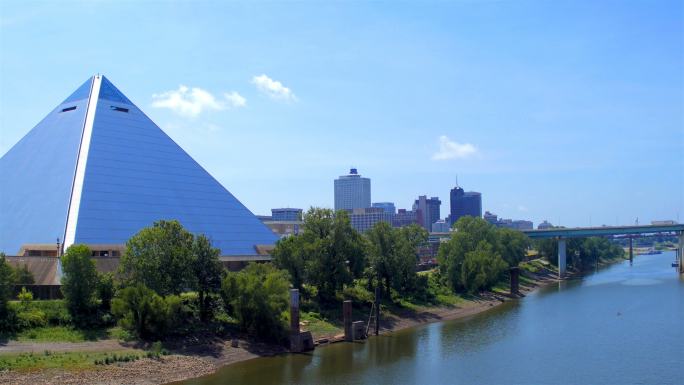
(142, 372)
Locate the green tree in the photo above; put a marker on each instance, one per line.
(470, 232)
(79, 282)
(160, 257)
(392, 255)
(512, 245)
(23, 276)
(482, 268)
(327, 255)
(548, 249)
(289, 255)
(207, 269)
(257, 297)
(6, 289)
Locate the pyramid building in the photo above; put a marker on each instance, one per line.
(96, 170)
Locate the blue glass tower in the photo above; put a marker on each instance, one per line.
(96, 170)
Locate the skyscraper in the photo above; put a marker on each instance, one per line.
(352, 191)
(428, 211)
(464, 203)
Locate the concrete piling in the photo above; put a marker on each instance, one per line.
(515, 285)
(347, 315)
(295, 344)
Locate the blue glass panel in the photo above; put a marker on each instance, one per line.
(81, 92)
(136, 175)
(37, 174)
(109, 92)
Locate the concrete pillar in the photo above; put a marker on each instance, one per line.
(515, 286)
(631, 251)
(561, 258)
(347, 316)
(377, 309)
(295, 343)
(681, 252)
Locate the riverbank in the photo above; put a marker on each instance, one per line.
(195, 360)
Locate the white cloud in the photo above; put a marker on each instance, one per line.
(273, 88)
(193, 101)
(235, 99)
(522, 208)
(449, 149)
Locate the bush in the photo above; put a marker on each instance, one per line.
(55, 311)
(145, 313)
(31, 318)
(25, 297)
(358, 293)
(258, 296)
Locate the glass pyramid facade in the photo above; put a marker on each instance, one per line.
(96, 170)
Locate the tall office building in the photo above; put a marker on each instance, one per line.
(428, 211)
(352, 191)
(464, 203)
(387, 206)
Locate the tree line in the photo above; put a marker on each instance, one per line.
(171, 282)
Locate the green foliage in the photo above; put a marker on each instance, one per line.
(207, 269)
(79, 283)
(582, 253)
(257, 296)
(512, 245)
(22, 276)
(105, 290)
(60, 334)
(473, 259)
(141, 310)
(25, 297)
(482, 268)
(289, 255)
(392, 255)
(31, 318)
(161, 258)
(327, 255)
(6, 291)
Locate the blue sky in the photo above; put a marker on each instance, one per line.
(571, 111)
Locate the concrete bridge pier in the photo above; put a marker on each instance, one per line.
(631, 251)
(680, 250)
(562, 260)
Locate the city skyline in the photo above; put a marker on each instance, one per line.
(578, 126)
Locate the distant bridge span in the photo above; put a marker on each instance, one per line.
(582, 232)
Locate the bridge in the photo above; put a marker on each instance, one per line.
(562, 234)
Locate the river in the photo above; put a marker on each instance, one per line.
(620, 325)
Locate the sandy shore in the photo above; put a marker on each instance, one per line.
(203, 359)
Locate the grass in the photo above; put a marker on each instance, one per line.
(318, 325)
(69, 334)
(66, 360)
